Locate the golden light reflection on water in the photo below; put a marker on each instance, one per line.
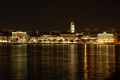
(104, 62)
(61, 61)
(73, 61)
(85, 63)
(19, 62)
(107, 60)
(92, 62)
(97, 64)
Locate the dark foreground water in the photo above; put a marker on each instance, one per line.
(59, 62)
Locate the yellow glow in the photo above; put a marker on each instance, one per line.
(85, 63)
(73, 60)
(107, 59)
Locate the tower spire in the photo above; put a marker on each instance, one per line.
(72, 27)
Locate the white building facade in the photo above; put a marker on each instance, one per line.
(72, 27)
(19, 36)
(105, 38)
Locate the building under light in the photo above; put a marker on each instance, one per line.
(105, 38)
(19, 36)
(72, 27)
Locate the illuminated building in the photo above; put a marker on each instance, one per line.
(19, 36)
(5, 37)
(69, 37)
(105, 38)
(63, 37)
(72, 28)
(48, 38)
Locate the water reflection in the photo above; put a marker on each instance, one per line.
(101, 61)
(85, 63)
(117, 58)
(73, 61)
(58, 61)
(19, 62)
(5, 64)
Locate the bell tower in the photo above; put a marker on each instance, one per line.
(72, 27)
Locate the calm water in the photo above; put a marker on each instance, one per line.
(59, 62)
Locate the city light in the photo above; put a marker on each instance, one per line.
(70, 36)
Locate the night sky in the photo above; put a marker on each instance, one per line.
(57, 15)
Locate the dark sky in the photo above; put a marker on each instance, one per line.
(56, 15)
